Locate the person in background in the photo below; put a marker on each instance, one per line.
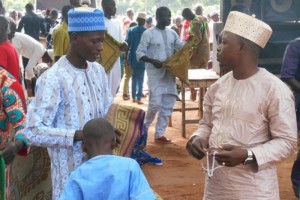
(75, 3)
(214, 17)
(198, 10)
(149, 22)
(290, 74)
(103, 175)
(114, 29)
(249, 120)
(127, 69)
(200, 50)
(14, 15)
(157, 45)
(51, 22)
(32, 23)
(9, 58)
(86, 3)
(2, 9)
(61, 41)
(33, 26)
(177, 25)
(137, 68)
(31, 49)
(127, 20)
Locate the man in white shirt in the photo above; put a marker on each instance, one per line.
(114, 29)
(28, 47)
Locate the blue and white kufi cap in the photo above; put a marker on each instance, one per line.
(85, 19)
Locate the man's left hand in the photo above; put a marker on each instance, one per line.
(231, 156)
(124, 46)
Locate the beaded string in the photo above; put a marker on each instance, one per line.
(210, 170)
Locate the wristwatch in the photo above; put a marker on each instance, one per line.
(250, 158)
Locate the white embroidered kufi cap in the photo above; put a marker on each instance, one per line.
(248, 27)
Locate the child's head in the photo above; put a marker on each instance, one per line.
(98, 137)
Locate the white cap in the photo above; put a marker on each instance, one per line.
(248, 27)
(142, 15)
(213, 13)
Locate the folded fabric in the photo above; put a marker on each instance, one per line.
(111, 52)
(179, 63)
(129, 121)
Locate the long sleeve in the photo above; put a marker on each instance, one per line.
(34, 59)
(14, 105)
(178, 43)
(72, 191)
(42, 111)
(143, 46)
(139, 187)
(283, 128)
(205, 124)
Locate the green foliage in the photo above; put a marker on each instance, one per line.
(149, 6)
(18, 5)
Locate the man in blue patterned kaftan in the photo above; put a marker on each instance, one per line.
(73, 91)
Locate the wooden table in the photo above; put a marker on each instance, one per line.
(202, 82)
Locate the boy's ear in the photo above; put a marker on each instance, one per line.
(85, 145)
(113, 143)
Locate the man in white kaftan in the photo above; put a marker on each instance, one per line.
(66, 98)
(249, 120)
(158, 44)
(114, 29)
(70, 93)
(256, 113)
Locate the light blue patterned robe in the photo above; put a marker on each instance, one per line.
(66, 98)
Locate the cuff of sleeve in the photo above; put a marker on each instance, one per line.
(200, 134)
(24, 151)
(258, 156)
(69, 137)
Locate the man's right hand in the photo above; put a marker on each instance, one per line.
(197, 147)
(157, 63)
(78, 136)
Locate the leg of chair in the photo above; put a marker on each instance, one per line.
(183, 109)
(170, 121)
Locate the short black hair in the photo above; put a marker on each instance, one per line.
(187, 13)
(161, 10)
(54, 12)
(251, 45)
(29, 6)
(104, 2)
(98, 129)
(65, 10)
(241, 8)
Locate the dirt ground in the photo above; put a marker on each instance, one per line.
(181, 177)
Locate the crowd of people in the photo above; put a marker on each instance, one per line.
(70, 99)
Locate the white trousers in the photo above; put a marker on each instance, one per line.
(163, 105)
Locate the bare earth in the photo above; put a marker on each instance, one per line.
(181, 177)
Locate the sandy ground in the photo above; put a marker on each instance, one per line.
(181, 177)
